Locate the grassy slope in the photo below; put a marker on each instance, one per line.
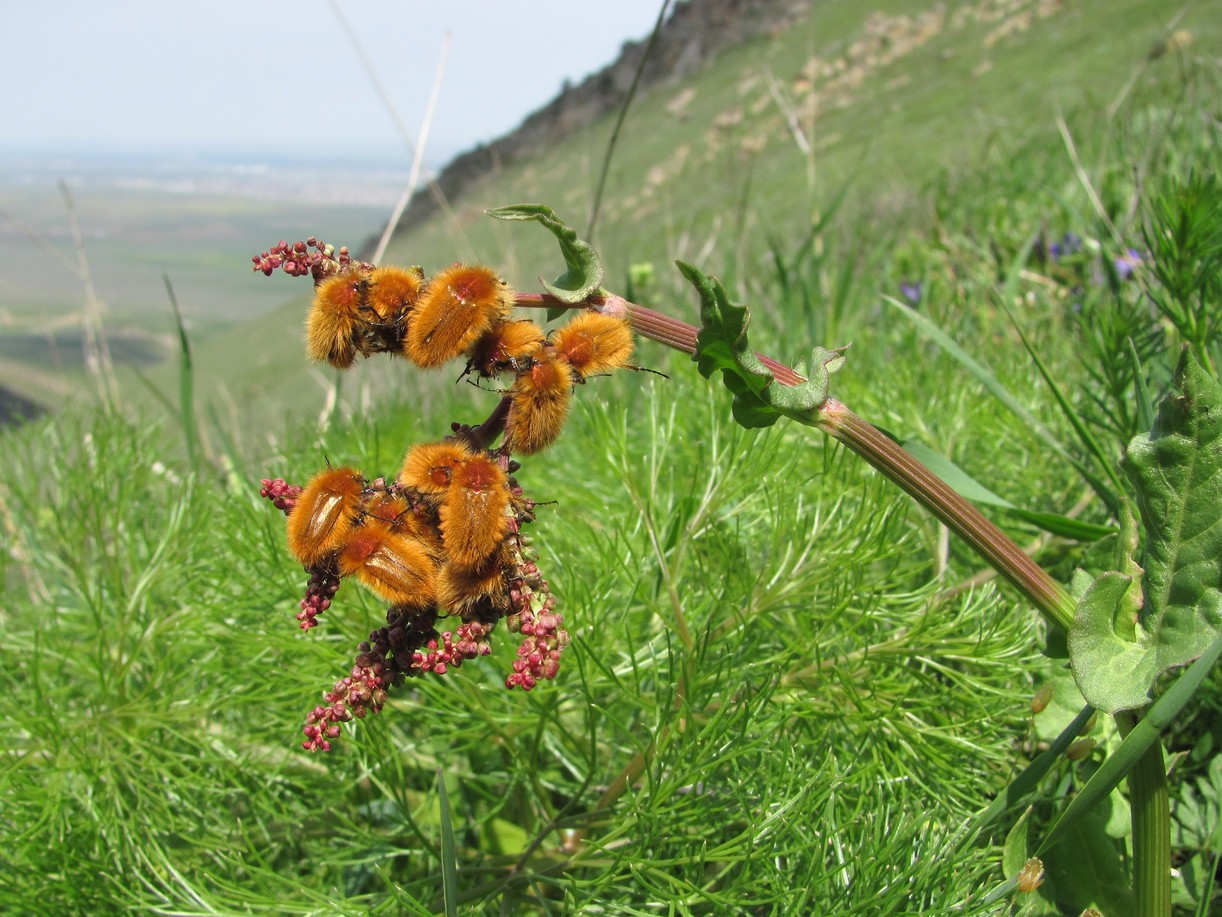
(886, 130)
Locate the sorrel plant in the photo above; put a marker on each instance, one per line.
(444, 539)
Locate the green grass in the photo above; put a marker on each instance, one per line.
(786, 689)
(156, 681)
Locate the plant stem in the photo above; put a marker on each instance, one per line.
(1151, 821)
(950, 508)
(875, 447)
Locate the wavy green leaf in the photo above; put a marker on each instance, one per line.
(722, 345)
(1119, 642)
(585, 271)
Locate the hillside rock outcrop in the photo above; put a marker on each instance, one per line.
(693, 33)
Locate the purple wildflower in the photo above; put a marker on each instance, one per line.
(911, 292)
(1070, 244)
(1128, 263)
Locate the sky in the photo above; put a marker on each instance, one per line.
(283, 78)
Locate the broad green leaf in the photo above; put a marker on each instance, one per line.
(1120, 643)
(1113, 671)
(1177, 472)
(1086, 870)
(585, 269)
(722, 345)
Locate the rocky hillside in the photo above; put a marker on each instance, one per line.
(693, 33)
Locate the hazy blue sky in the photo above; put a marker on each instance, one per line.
(278, 76)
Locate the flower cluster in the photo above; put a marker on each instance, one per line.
(313, 257)
(1071, 255)
(464, 310)
(442, 538)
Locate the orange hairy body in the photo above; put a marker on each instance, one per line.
(539, 405)
(394, 292)
(473, 521)
(386, 509)
(325, 512)
(393, 566)
(464, 590)
(335, 316)
(398, 514)
(594, 343)
(459, 305)
(429, 467)
(505, 346)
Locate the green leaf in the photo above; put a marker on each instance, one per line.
(982, 373)
(1120, 643)
(1113, 671)
(1086, 870)
(1177, 471)
(1014, 850)
(585, 269)
(994, 386)
(722, 345)
(1139, 740)
(1021, 788)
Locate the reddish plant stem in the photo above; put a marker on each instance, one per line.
(486, 433)
(882, 452)
(990, 542)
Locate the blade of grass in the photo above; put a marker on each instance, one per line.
(1022, 786)
(230, 456)
(999, 391)
(449, 858)
(1145, 404)
(980, 371)
(971, 489)
(619, 121)
(186, 381)
(413, 178)
(156, 392)
(1088, 440)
